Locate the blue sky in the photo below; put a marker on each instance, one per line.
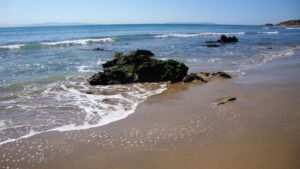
(19, 12)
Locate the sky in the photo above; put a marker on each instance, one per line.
(249, 12)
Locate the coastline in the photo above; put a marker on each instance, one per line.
(183, 128)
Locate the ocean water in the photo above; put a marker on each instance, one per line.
(43, 70)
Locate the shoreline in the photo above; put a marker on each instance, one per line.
(182, 128)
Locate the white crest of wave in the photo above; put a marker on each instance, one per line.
(79, 42)
(274, 32)
(14, 46)
(178, 35)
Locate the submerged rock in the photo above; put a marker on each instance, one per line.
(223, 39)
(212, 45)
(138, 66)
(98, 49)
(191, 77)
(225, 100)
(222, 74)
(204, 76)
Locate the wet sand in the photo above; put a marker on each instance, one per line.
(182, 128)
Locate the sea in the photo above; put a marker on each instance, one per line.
(44, 70)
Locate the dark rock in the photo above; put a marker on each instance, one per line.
(269, 48)
(139, 52)
(226, 100)
(212, 45)
(89, 92)
(192, 77)
(99, 49)
(222, 74)
(174, 71)
(138, 66)
(225, 39)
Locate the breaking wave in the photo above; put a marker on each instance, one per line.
(178, 35)
(191, 35)
(13, 46)
(78, 42)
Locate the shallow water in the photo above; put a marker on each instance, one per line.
(43, 69)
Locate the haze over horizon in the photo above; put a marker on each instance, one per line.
(248, 12)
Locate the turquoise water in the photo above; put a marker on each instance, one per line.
(43, 70)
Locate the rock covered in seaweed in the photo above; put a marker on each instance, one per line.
(204, 76)
(138, 66)
(193, 77)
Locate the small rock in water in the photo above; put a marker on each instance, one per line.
(89, 92)
(224, 39)
(226, 100)
(222, 74)
(99, 49)
(212, 45)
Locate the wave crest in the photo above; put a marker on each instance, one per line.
(78, 42)
(13, 46)
(178, 35)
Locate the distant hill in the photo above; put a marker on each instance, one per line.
(294, 23)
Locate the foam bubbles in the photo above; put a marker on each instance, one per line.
(72, 105)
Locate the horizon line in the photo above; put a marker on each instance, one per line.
(95, 24)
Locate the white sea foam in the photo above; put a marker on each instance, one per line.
(100, 62)
(274, 32)
(178, 35)
(82, 110)
(93, 105)
(13, 46)
(278, 54)
(78, 42)
(213, 60)
(30, 134)
(85, 68)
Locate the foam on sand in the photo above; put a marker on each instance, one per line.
(81, 109)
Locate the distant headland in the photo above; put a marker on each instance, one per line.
(292, 23)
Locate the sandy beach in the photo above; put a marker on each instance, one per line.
(182, 128)
(132, 84)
